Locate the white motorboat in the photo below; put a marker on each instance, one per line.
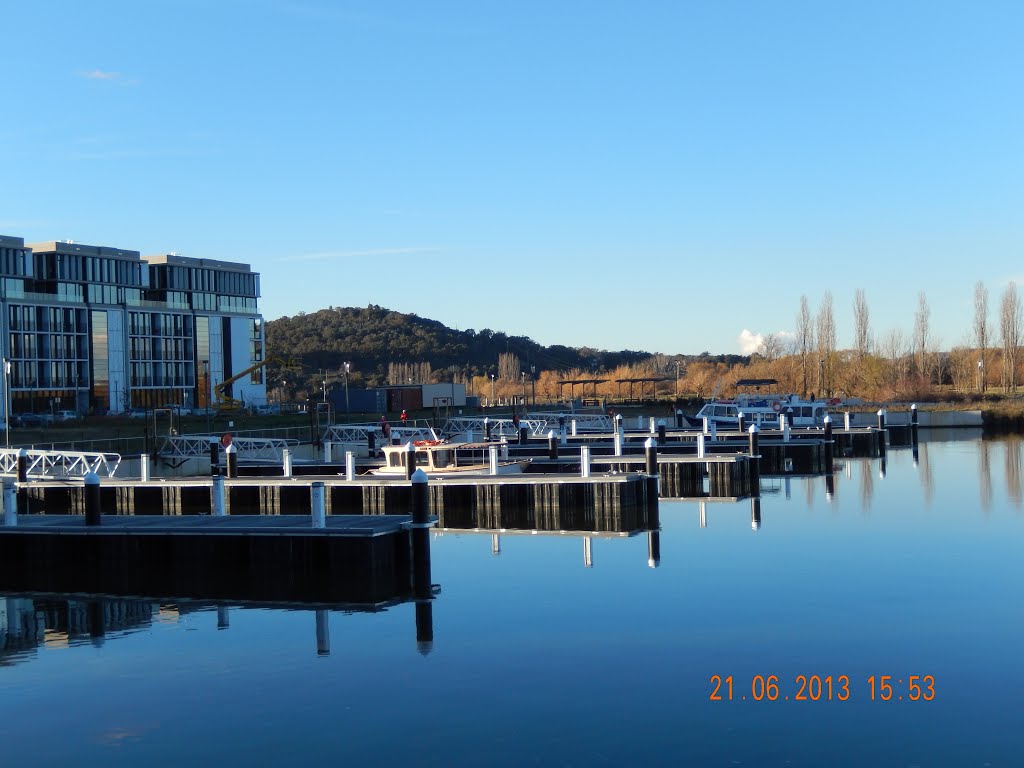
(762, 409)
(439, 458)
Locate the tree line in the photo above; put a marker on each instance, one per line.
(375, 346)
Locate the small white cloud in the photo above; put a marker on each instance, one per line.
(99, 74)
(749, 341)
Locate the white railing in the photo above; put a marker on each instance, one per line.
(356, 433)
(538, 424)
(249, 448)
(44, 464)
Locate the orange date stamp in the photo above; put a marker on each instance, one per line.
(823, 688)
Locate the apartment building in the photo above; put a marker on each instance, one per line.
(97, 329)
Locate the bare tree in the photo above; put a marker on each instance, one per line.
(804, 339)
(894, 349)
(771, 347)
(508, 367)
(961, 368)
(1011, 320)
(920, 340)
(826, 327)
(861, 325)
(981, 332)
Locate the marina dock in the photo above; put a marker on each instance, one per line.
(353, 558)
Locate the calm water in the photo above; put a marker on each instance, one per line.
(538, 659)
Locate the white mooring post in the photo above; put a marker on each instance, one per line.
(286, 461)
(317, 505)
(492, 459)
(574, 427)
(585, 461)
(219, 509)
(846, 421)
(350, 465)
(328, 452)
(144, 467)
(654, 426)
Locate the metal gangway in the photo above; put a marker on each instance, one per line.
(417, 429)
(56, 464)
(249, 448)
(537, 424)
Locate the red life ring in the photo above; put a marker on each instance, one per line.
(776, 406)
(426, 442)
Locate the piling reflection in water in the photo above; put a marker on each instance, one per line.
(31, 622)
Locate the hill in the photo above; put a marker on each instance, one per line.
(375, 339)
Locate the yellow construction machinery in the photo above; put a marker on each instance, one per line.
(222, 401)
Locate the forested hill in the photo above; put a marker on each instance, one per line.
(373, 338)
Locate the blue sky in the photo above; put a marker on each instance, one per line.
(657, 176)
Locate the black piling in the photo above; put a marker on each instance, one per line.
(552, 445)
(881, 432)
(22, 505)
(487, 428)
(371, 443)
(420, 512)
(410, 460)
(651, 456)
(755, 513)
(679, 419)
(214, 457)
(92, 499)
(524, 435)
(661, 433)
(741, 422)
(232, 460)
(913, 424)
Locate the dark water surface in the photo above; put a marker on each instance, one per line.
(538, 659)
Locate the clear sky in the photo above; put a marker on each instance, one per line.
(659, 175)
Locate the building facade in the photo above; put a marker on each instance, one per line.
(100, 330)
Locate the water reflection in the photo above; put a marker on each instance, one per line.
(984, 477)
(1012, 470)
(29, 622)
(924, 469)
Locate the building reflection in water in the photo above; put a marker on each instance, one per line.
(31, 622)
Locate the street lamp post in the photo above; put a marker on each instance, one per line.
(523, 376)
(492, 390)
(981, 376)
(347, 366)
(207, 396)
(533, 385)
(7, 401)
